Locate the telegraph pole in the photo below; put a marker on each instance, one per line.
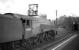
(56, 21)
(56, 17)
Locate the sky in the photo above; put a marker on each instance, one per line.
(48, 7)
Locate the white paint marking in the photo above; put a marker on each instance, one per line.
(64, 42)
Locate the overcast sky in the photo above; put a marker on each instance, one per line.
(64, 7)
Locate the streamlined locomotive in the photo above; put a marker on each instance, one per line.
(12, 34)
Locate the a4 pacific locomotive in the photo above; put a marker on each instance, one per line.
(12, 34)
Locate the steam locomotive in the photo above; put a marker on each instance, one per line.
(12, 34)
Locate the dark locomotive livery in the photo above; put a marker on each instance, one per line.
(12, 32)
